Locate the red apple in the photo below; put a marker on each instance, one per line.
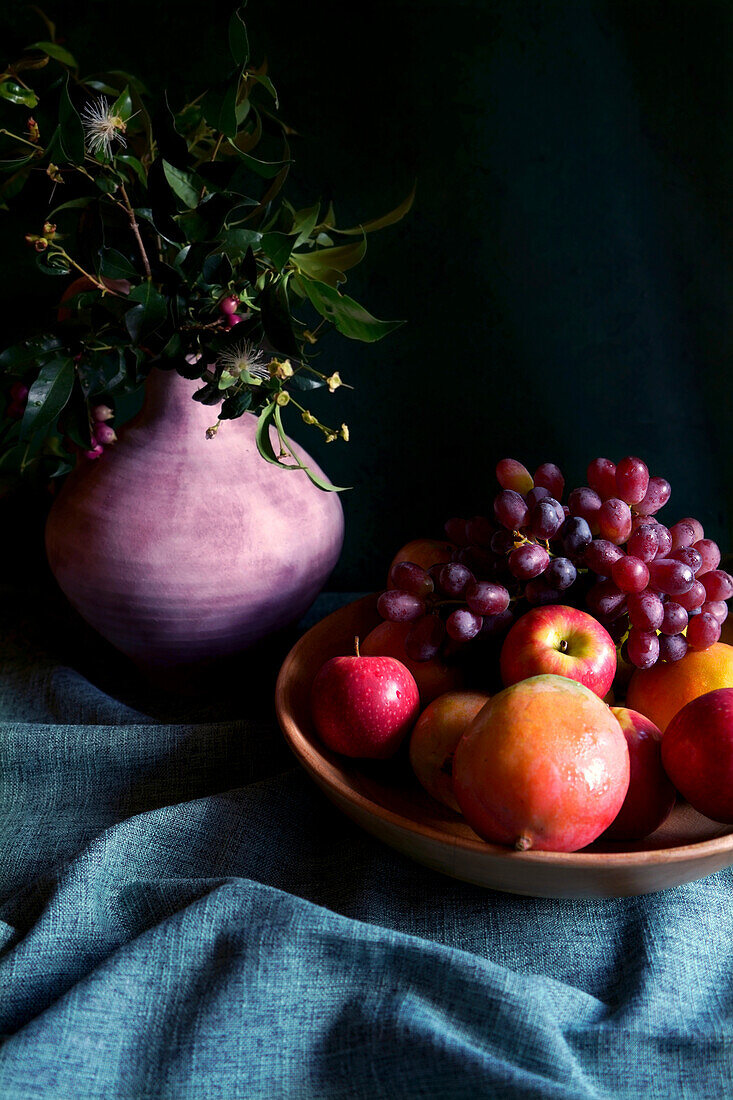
(435, 736)
(432, 677)
(543, 765)
(697, 753)
(651, 795)
(561, 641)
(364, 706)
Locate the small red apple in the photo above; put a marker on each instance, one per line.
(364, 706)
(543, 765)
(435, 736)
(697, 753)
(560, 641)
(651, 795)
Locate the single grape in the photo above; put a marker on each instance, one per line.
(502, 543)
(671, 577)
(534, 496)
(586, 503)
(703, 631)
(601, 475)
(632, 479)
(696, 526)
(709, 552)
(718, 584)
(511, 509)
(479, 531)
(453, 578)
(600, 556)
(400, 607)
(528, 561)
(411, 578)
(538, 593)
(495, 626)
(549, 476)
(544, 521)
(560, 574)
(675, 618)
(696, 597)
(614, 520)
(576, 536)
(672, 647)
(605, 600)
(683, 534)
(717, 608)
(455, 530)
(485, 598)
(644, 542)
(637, 521)
(689, 555)
(462, 625)
(642, 647)
(646, 610)
(664, 539)
(513, 475)
(630, 574)
(424, 638)
(657, 494)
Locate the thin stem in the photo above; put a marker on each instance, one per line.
(17, 137)
(92, 278)
(136, 231)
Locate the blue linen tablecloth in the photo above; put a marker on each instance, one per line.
(185, 915)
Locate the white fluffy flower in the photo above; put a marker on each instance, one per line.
(101, 126)
(245, 357)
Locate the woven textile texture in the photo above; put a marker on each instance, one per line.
(185, 916)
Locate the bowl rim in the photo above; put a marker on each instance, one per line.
(324, 772)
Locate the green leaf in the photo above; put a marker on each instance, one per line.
(326, 265)
(318, 481)
(148, 315)
(264, 80)
(237, 241)
(268, 169)
(219, 109)
(238, 40)
(18, 162)
(347, 316)
(16, 93)
(48, 395)
(304, 222)
(135, 164)
(181, 184)
(235, 405)
(71, 131)
(217, 269)
(72, 204)
(278, 247)
(122, 106)
(113, 265)
(57, 52)
(262, 436)
(387, 219)
(20, 356)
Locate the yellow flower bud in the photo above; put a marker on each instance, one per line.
(330, 436)
(281, 370)
(308, 417)
(334, 381)
(282, 398)
(344, 433)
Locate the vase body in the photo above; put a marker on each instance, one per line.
(180, 549)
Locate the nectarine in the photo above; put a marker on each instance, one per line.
(435, 736)
(660, 692)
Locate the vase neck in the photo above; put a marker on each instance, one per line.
(170, 397)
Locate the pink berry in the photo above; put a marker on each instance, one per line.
(229, 304)
(104, 434)
(101, 413)
(19, 392)
(233, 319)
(95, 452)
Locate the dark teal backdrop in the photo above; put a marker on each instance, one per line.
(566, 270)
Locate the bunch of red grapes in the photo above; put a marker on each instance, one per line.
(658, 590)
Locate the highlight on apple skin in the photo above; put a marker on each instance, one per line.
(561, 641)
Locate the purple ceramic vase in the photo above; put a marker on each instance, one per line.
(180, 549)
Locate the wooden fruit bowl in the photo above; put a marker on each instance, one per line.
(384, 798)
